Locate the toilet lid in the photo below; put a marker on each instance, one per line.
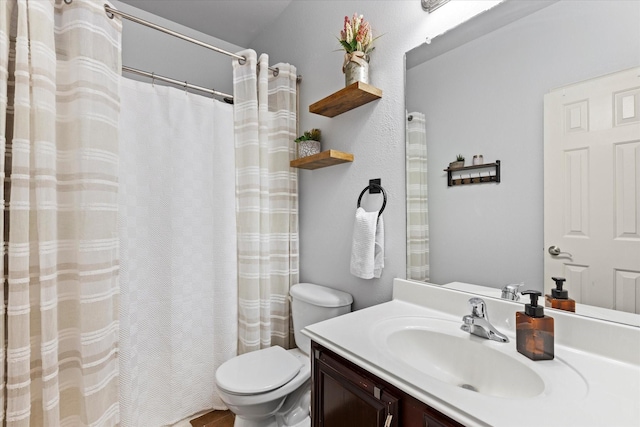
(258, 372)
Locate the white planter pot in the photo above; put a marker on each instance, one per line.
(308, 148)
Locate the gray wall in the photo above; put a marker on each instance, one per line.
(487, 97)
(305, 35)
(150, 50)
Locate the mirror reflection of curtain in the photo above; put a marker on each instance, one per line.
(267, 201)
(417, 201)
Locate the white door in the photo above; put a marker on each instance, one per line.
(592, 189)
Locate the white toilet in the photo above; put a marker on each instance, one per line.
(271, 387)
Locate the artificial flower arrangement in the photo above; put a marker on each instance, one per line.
(356, 35)
(356, 38)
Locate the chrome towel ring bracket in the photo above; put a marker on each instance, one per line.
(377, 188)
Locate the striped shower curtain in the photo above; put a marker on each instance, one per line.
(417, 201)
(59, 73)
(267, 204)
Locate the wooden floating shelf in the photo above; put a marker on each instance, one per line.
(466, 168)
(352, 96)
(322, 160)
(476, 179)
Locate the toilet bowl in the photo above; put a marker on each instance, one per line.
(256, 406)
(271, 387)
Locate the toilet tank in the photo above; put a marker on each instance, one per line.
(312, 304)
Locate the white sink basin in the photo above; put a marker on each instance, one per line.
(593, 380)
(439, 349)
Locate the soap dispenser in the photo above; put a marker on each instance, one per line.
(534, 330)
(559, 298)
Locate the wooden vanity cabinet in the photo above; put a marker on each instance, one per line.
(345, 395)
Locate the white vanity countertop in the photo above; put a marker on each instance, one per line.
(601, 358)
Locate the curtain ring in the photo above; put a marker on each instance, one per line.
(153, 79)
(276, 71)
(68, 1)
(186, 86)
(106, 10)
(242, 61)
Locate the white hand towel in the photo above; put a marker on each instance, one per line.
(367, 250)
(378, 262)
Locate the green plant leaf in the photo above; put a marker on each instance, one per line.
(345, 45)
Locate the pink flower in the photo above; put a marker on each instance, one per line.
(346, 27)
(362, 33)
(356, 34)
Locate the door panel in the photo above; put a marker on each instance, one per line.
(592, 189)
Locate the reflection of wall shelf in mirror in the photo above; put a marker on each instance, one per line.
(322, 160)
(352, 96)
(474, 178)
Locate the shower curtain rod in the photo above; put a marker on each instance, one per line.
(153, 76)
(111, 12)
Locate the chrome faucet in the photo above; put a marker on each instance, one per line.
(510, 292)
(477, 323)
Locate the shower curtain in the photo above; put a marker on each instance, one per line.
(267, 198)
(59, 73)
(178, 252)
(417, 200)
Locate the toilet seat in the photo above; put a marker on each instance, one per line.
(258, 372)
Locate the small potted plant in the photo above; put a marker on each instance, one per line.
(458, 163)
(308, 143)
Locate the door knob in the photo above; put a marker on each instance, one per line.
(555, 251)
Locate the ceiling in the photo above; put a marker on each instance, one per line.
(235, 21)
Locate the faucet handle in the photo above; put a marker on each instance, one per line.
(510, 291)
(478, 307)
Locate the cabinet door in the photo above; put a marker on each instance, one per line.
(429, 421)
(345, 397)
(418, 414)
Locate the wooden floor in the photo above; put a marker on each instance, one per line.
(214, 419)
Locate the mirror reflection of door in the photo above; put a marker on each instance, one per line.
(481, 88)
(592, 189)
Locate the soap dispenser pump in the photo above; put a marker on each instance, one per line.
(559, 298)
(534, 330)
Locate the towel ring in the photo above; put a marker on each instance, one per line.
(384, 195)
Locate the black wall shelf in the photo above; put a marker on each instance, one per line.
(479, 179)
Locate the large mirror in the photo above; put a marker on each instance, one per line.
(480, 89)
